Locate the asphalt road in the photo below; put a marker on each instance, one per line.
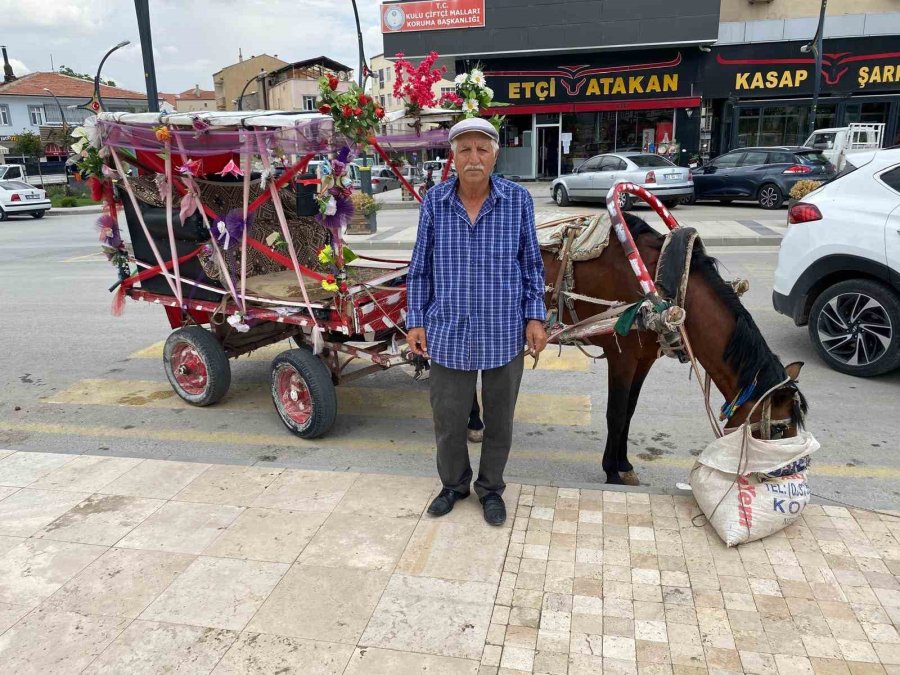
(73, 378)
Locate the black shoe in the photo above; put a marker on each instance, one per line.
(443, 503)
(494, 509)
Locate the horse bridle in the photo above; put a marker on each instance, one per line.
(768, 428)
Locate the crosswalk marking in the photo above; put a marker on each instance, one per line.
(407, 402)
(569, 359)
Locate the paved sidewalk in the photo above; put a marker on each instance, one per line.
(120, 565)
(717, 225)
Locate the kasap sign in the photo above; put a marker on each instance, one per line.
(407, 17)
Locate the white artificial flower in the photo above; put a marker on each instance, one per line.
(470, 105)
(477, 78)
(489, 92)
(459, 79)
(331, 207)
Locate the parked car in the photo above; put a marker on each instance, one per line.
(762, 175)
(437, 169)
(592, 180)
(383, 178)
(19, 197)
(838, 268)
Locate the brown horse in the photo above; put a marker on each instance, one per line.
(723, 335)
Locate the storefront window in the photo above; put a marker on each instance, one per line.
(516, 144)
(772, 125)
(592, 134)
(748, 127)
(643, 130)
(867, 113)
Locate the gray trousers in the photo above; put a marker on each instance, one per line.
(451, 401)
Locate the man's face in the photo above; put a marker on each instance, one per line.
(474, 158)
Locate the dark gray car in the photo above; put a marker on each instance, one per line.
(762, 175)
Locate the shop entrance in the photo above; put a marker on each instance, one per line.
(548, 152)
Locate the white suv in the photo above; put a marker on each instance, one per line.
(839, 266)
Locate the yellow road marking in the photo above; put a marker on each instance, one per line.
(375, 445)
(561, 409)
(570, 360)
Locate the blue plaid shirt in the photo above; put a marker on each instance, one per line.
(474, 286)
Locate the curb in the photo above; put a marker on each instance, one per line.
(399, 206)
(75, 210)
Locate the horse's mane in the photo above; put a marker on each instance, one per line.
(747, 351)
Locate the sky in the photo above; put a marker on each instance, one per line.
(192, 39)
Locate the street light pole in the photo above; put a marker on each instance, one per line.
(816, 46)
(240, 100)
(100, 68)
(65, 133)
(142, 8)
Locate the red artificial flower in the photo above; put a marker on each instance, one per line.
(379, 112)
(346, 110)
(363, 99)
(357, 111)
(343, 287)
(330, 279)
(325, 109)
(332, 82)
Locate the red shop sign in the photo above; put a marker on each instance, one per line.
(409, 17)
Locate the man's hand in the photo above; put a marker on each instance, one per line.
(418, 343)
(536, 337)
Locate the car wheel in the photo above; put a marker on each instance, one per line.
(37, 215)
(671, 203)
(855, 327)
(561, 196)
(689, 201)
(3, 215)
(626, 201)
(770, 196)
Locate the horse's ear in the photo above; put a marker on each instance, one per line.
(793, 370)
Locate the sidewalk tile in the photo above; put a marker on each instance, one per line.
(333, 604)
(258, 654)
(27, 511)
(296, 490)
(122, 582)
(9, 543)
(388, 496)
(100, 519)
(370, 661)
(157, 479)
(149, 647)
(435, 616)
(7, 491)
(9, 614)
(86, 473)
(357, 541)
(23, 468)
(455, 551)
(56, 642)
(217, 592)
(232, 485)
(34, 570)
(274, 535)
(181, 527)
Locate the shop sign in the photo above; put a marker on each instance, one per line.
(850, 65)
(660, 76)
(423, 15)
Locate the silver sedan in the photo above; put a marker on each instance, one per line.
(593, 179)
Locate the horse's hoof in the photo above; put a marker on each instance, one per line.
(630, 478)
(614, 479)
(475, 435)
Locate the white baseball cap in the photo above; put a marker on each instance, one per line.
(478, 124)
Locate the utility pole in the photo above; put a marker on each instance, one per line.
(816, 46)
(142, 8)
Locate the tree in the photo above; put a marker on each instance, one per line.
(65, 70)
(28, 144)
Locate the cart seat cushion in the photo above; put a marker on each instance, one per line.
(591, 241)
(284, 285)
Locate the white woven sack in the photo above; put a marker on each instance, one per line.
(733, 487)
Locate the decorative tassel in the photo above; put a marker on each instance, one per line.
(318, 342)
(118, 303)
(96, 188)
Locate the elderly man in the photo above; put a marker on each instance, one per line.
(475, 298)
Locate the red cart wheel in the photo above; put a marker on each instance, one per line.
(197, 366)
(303, 393)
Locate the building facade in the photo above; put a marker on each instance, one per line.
(231, 82)
(296, 85)
(759, 80)
(194, 99)
(574, 79)
(27, 105)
